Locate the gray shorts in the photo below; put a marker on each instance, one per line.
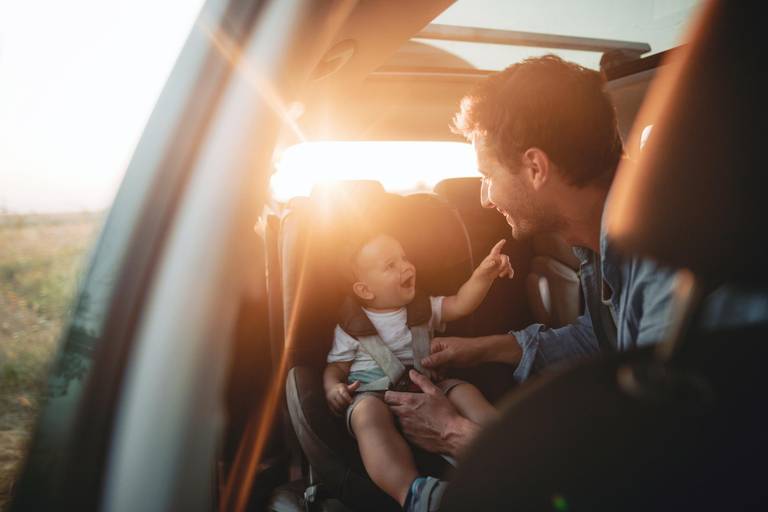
(444, 385)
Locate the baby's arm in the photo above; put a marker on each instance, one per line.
(472, 293)
(337, 392)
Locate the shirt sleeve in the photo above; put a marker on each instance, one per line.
(436, 322)
(543, 347)
(656, 297)
(344, 347)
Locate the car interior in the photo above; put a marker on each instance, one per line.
(258, 434)
(394, 88)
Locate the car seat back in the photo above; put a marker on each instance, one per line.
(553, 282)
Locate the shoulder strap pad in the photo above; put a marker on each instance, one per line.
(419, 310)
(353, 319)
(356, 323)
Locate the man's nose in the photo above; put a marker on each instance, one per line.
(485, 200)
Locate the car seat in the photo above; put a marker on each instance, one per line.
(310, 236)
(680, 426)
(553, 282)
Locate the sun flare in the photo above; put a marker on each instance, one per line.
(399, 166)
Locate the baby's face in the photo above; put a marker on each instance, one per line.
(387, 273)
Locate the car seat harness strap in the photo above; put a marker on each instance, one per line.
(358, 325)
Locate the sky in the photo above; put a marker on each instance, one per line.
(79, 78)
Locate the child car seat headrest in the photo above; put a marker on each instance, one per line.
(462, 192)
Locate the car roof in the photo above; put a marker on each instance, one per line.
(391, 84)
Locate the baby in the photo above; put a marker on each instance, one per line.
(383, 282)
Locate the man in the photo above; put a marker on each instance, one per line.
(547, 146)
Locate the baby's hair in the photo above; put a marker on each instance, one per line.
(351, 246)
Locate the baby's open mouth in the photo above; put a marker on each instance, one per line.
(408, 283)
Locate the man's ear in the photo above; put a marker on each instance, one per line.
(362, 291)
(537, 166)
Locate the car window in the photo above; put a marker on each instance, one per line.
(40, 262)
(400, 166)
(67, 131)
(660, 25)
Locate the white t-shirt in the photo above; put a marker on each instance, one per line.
(393, 329)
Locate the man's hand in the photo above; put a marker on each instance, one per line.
(496, 264)
(453, 352)
(339, 396)
(429, 419)
(464, 352)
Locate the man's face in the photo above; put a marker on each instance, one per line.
(509, 191)
(387, 273)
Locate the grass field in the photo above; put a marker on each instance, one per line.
(41, 257)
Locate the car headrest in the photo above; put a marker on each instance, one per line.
(462, 192)
(346, 188)
(695, 196)
(342, 202)
(553, 246)
(436, 241)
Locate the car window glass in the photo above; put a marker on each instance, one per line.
(660, 24)
(77, 88)
(400, 166)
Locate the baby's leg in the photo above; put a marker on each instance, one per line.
(471, 403)
(386, 456)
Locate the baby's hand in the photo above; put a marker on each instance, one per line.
(496, 264)
(339, 397)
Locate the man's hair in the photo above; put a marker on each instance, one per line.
(547, 103)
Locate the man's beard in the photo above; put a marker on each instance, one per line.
(536, 222)
(521, 231)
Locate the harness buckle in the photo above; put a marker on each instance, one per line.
(405, 384)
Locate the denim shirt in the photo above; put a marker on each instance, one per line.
(640, 295)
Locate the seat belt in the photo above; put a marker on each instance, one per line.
(355, 323)
(393, 369)
(422, 347)
(602, 315)
(391, 366)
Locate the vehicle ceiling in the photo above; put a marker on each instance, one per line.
(388, 89)
(376, 84)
